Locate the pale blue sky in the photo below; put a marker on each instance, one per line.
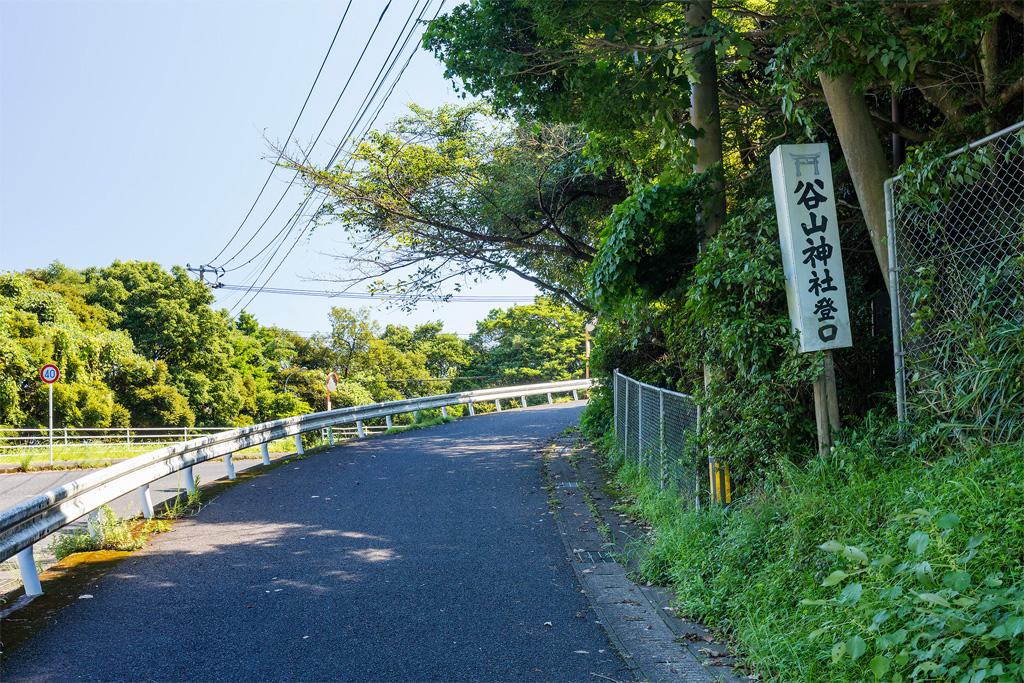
(136, 129)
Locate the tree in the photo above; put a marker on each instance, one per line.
(541, 341)
(451, 195)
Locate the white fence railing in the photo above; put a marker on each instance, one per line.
(33, 520)
(655, 429)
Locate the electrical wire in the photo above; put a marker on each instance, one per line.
(320, 133)
(295, 124)
(369, 296)
(362, 112)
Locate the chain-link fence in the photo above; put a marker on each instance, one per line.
(654, 429)
(956, 256)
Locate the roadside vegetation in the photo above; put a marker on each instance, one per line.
(143, 347)
(617, 155)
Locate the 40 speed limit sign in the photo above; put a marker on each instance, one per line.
(49, 373)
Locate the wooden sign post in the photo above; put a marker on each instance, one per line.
(812, 260)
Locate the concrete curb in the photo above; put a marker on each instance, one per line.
(638, 620)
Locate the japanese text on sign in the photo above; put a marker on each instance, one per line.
(811, 255)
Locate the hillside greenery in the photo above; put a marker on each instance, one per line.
(142, 346)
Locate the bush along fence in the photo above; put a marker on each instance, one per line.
(956, 255)
(656, 430)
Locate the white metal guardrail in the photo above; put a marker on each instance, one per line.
(33, 520)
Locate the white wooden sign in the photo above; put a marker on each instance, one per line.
(811, 255)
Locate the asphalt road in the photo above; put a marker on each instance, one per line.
(16, 487)
(423, 556)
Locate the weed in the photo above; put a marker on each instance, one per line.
(107, 532)
(870, 564)
(183, 506)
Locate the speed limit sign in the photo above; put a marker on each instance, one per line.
(49, 373)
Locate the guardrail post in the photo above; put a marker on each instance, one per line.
(29, 572)
(190, 480)
(550, 399)
(299, 450)
(330, 436)
(497, 405)
(93, 524)
(525, 402)
(471, 411)
(265, 452)
(415, 416)
(444, 412)
(229, 464)
(359, 429)
(65, 436)
(145, 501)
(387, 421)
(128, 435)
(575, 395)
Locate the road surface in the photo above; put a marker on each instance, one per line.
(422, 556)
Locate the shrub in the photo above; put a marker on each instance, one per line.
(106, 533)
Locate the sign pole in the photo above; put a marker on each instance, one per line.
(812, 261)
(51, 424)
(826, 404)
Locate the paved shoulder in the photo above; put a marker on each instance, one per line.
(423, 556)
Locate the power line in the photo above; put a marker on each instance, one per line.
(320, 133)
(378, 82)
(295, 124)
(368, 296)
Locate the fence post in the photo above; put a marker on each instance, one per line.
(299, 450)
(184, 433)
(229, 465)
(497, 405)
(145, 501)
(65, 436)
(640, 428)
(265, 452)
(625, 423)
(615, 403)
(190, 480)
(894, 304)
(695, 467)
(472, 412)
(29, 572)
(661, 436)
(128, 435)
(359, 429)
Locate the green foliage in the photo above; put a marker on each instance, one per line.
(925, 610)
(538, 342)
(921, 562)
(107, 533)
(649, 243)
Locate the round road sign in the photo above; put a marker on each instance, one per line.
(49, 373)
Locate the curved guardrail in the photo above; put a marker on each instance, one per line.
(27, 523)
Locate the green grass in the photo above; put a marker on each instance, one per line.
(100, 452)
(877, 563)
(424, 422)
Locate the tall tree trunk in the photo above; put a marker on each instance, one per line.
(864, 157)
(704, 114)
